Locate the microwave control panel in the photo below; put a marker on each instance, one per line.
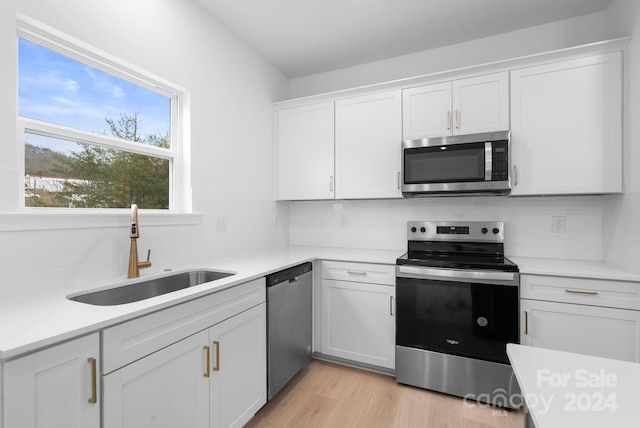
(499, 160)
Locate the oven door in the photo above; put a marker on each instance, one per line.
(465, 313)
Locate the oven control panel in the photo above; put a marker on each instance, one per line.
(470, 231)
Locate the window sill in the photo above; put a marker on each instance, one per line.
(54, 219)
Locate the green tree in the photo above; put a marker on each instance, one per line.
(99, 177)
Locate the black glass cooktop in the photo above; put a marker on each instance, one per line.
(458, 255)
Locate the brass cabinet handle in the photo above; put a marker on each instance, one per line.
(207, 353)
(391, 305)
(94, 383)
(457, 118)
(590, 293)
(448, 119)
(217, 366)
(526, 322)
(398, 180)
(515, 175)
(331, 183)
(356, 272)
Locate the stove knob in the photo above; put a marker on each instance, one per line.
(423, 229)
(496, 230)
(413, 229)
(484, 230)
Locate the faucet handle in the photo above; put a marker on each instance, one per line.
(142, 265)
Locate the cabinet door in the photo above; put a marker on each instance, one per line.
(305, 138)
(239, 368)
(566, 127)
(590, 330)
(368, 135)
(481, 104)
(168, 388)
(426, 111)
(359, 322)
(53, 388)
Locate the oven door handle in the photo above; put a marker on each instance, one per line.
(455, 273)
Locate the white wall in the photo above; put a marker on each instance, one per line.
(231, 143)
(381, 224)
(543, 38)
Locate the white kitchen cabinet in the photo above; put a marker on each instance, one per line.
(167, 388)
(464, 106)
(215, 378)
(591, 330)
(198, 364)
(55, 387)
(239, 368)
(305, 152)
(367, 146)
(358, 316)
(566, 123)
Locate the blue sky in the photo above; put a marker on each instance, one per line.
(57, 89)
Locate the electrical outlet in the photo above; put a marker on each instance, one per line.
(558, 224)
(344, 220)
(220, 224)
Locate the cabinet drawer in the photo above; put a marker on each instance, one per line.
(359, 272)
(595, 292)
(132, 340)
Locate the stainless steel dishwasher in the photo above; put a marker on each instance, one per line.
(288, 324)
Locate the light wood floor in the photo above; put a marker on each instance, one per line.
(330, 395)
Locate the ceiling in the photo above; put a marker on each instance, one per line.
(303, 37)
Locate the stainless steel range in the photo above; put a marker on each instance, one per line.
(457, 300)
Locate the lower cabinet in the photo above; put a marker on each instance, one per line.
(239, 368)
(214, 378)
(55, 387)
(358, 317)
(592, 330)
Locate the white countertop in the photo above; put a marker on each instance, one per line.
(562, 389)
(589, 269)
(34, 321)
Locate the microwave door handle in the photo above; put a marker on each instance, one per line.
(454, 274)
(488, 161)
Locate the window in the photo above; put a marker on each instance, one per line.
(96, 132)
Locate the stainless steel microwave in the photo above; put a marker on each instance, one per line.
(454, 165)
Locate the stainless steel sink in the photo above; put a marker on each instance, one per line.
(151, 288)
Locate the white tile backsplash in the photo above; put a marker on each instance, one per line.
(382, 224)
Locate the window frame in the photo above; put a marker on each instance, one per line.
(177, 155)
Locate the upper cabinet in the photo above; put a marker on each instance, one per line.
(305, 152)
(368, 135)
(564, 110)
(366, 132)
(465, 106)
(566, 123)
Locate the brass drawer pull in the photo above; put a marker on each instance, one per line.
(457, 119)
(356, 272)
(448, 119)
(207, 353)
(590, 293)
(217, 366)
(94, 382)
